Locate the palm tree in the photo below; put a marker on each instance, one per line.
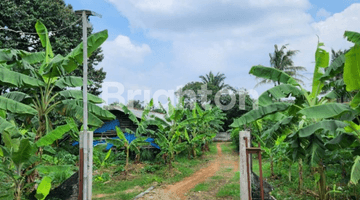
(215, 83)
(282, 60)
(216, 80)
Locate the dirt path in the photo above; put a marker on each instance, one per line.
(178, 190)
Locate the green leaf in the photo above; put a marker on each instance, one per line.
(106, 157)
(16, 107)
(355, 171)
(78, 94)
(254, 115)
(45, 41)
(43, 188)
(62, 65)
(273, 74)
(55, 134)
(352, 68)
(70, 108)
(132, 117)
(278, 92)
(315, 151)
(147, 110)
(16, 96)
(69, 81)
(327, 125)
(355, 102)
(329, 110)
(23, 154)
(321, 61)
(15, 79)
(336, 67)
(8, 127)
(353, 37)
(344, 140)
(120, 134)
(94, 109)
(271, 132)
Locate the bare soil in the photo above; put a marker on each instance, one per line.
(181, 189)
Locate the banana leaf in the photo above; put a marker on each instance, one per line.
(78, 94)
(273, 74)
(23, 154)
(329, 110)
(344, 140)
(326, 125)
(278, 92)
(45, 41)
(321, 61)
(72, 109)
(16, 96)
(254, 115)
(352, 68)
(63, 65)
(54, 135)
(352, 36)
(336, 67)
(44, 188)
(16, 107)
(8, 127)
(355, 171)
(70, 81)
(15, 79)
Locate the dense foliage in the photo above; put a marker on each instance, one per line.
(312, 128)
(21, 15)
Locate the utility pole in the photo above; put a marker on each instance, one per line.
(86, 138)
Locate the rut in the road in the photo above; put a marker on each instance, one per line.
(178, 190)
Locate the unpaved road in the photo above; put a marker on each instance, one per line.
(178, 190)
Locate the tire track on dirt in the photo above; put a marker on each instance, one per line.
(178, 190)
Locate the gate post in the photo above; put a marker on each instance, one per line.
(244, 190)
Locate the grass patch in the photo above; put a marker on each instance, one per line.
(182, 167)
(201, 187)
(230, 190)
(227, 148)
(217, 177)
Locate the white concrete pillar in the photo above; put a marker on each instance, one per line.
(244, 191)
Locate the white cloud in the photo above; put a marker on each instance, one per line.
(231, 36)
(322, 14)
(122, 49)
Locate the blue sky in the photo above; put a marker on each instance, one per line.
(159, 45)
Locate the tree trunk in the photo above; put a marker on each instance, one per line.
(127, 158)
(272, 166)
(322, 183)
(289, 173)
(300, 175)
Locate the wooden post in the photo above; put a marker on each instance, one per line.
(244, 191)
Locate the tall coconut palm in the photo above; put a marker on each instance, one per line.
(282, 60)
(215, 80)
(215, 83)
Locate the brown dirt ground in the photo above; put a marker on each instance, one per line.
(181, 190)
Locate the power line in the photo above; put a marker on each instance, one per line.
(28, 33)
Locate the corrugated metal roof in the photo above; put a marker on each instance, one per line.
(138, 113)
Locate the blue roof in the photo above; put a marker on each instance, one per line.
(110, 125)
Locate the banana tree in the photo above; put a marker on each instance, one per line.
(351, 79)
(19, 155)
(143, 123)
(123, 142)
(169, 147)
(44, 77)
(306, 107)
(44, 85)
